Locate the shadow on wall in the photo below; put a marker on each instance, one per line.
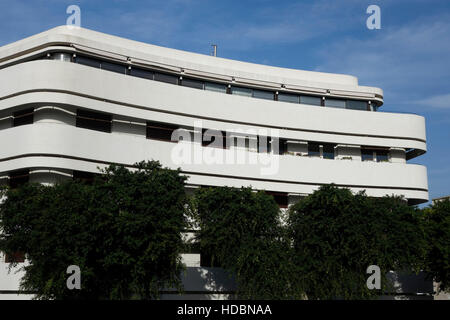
(409, 286)
(201, 283)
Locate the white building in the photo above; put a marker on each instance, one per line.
(72, 100)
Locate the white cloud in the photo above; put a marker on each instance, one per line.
(406, 62)
(438, 101)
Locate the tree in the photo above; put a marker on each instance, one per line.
(240, 231)
(123, 231)
(437, 224)
(337, 235)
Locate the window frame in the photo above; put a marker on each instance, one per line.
(313, 153)
(185, 83)
(86, 119)
(315, 98)
(152, 126)
(166, 78)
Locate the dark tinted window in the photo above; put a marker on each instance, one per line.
(328, 151)
(160, 131)
(313, 101)
(366, 154)
(18, 178)
(141, 73)
(281, 198)
(93, 120)
(119, 68)
(209, 139)
(191, 83)
(23, 117)
(217, 87)
(382, 155)
(88, 62)
(241, 91)
(356, 105)
(262, 94)
(61, 56)
(286, 97)
(168, 78)
(334, 103)
(313, 149)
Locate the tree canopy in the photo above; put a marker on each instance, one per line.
(240, 230)
(437, 224)
(337, 235)
(123, 231)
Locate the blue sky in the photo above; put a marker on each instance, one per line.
(409, 57)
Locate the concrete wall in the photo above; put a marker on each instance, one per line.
(152, 100)
(67, 147)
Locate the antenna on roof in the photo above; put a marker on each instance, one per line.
(214, 53)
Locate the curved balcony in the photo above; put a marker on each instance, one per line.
(56, 82)
(54, 145)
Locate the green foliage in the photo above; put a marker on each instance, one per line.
(123, 231)
(437, 224)
(240, 230)
(337, 235)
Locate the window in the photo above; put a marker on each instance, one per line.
(168, 78)
(93, 120)
(14, 257)
(328, 151)
(60, 56)
(160, 131)
(209, 139)
(114, 67)
(262, 94)
(313, 101)
(382, 155)
(18, 178)
(141, 73)
(282, 146)
(334, 103)
(367, 154)
(286, 97)
(313, 149)
(373, 107)
(84, 177)
(281, 198)
(23, 117)
(246, 92)
(356, 105)
(88, 62)
(216, 87)
(264, 144)
(191, 83)
(374, 154)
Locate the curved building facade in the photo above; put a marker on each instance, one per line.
(73, 100)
